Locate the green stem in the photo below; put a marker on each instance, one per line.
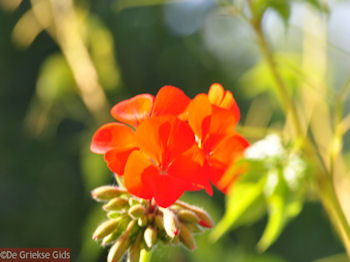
(145, 256)
(327, 192)
(281, 86)
(331, 203)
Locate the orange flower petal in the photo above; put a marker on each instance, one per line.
(112, 136)
(137, 165)
(198, 110)
(148, 138)
(163, 138)
(231, 174)
(220, 124)
(196, 154)
(229, 103)
(214, 173)
(224, 99)
(190, 172)
(216, 93)
(132, 111)
(220, 164)
(229, 149)
(166, 189)
(170, 100)
(116, 160)
(177, 137)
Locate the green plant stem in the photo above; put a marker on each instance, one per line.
(145, 256)
(327, 192)
(331, 203)
(281, 86)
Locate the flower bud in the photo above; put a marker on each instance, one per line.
(137, 211)
(122, 244)
(150, 236)
(205, 219)
(195, 228)
(188, 216)
(135, 249)
(186, 238)
(118, 249)
(104, 193)
(170, 222)
(114, 214)
(133, 201)
(159, 222)
(116, 204)
(109, 239)
(105, 228)
(142, 221)
(120, 228)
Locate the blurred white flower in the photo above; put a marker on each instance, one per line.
(294, 171)
(269, 147)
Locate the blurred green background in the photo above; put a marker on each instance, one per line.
(46, 119)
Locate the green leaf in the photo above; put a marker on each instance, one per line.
(283, 204)
(275, 223)
(282, 7)
(320, 6)
(274, 181)
(242, 196)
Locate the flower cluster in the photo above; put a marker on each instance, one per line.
(165, 145)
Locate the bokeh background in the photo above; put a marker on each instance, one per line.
(64, 64)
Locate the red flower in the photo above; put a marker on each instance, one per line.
(117, 140)
(213, 118)
(169, 101)
(169, 144)
(160, 169)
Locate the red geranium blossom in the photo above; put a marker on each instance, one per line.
(117, 140)
(160, 169)
(213, 119)
(169, 144)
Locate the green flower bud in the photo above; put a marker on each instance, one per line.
(135, 249)
(122, 244)
(114, 214)
(205, 219)
(188, 216)
(105, 193)
(150, 236)
(133, 201)
(195, 228)
(187, 238)
(170, 222)
(120, 229)
(116, 204)
(158, 220)
(142, 221)
(105, 228)
(137, 211)
(118, 249)
(110, 238)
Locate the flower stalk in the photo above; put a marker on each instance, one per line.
(324, 177)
